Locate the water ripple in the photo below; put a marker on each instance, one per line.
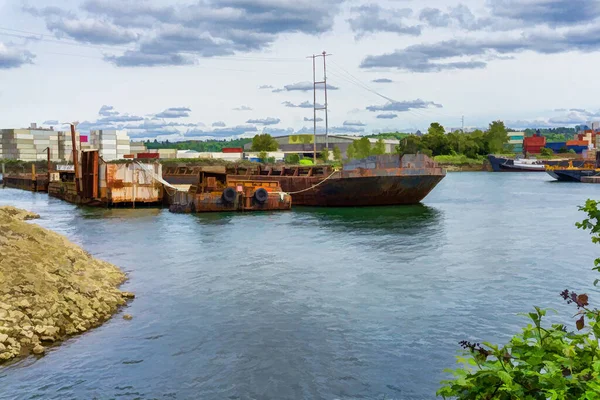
(314, 303)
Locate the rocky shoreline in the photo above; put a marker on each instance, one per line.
(50, 288)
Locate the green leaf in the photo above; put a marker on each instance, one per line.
(506, 378)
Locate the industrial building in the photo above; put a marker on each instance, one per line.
(304, 144)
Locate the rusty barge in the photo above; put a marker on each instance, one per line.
(98, 183)
(32, 182)
(216, 191)
(373, 181)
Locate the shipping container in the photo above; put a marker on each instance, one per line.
(233, 150)
(147, 155)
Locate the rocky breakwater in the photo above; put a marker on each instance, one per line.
(50, 288)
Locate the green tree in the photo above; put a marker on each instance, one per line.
(436, 140)
(436, 128)
(292, 158)
(351, 151)
(264, 142)
(363, 147)
(337, 153)
(546, 152)
(379, 147)
(542, 362)
(496, 137)
(262, 156)
(563, 149)
(412, 144)
(325, 154)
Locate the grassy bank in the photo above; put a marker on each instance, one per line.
(461, 163)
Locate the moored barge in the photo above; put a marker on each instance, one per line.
(215, 191)
(373, 181)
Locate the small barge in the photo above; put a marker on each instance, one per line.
(216, 191)
(32, 182)
(589, 172)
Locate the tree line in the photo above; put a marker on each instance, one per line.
(472, 144)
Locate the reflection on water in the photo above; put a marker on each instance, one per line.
(384, 218)
(121, 213)
(315, 303)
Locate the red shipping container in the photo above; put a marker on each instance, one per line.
(128, 156)
(232, 150)
(147, 155)
(534, 141)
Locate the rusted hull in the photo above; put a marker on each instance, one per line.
(40, 184)
(357, 191)
(212, 202)
(66, 191)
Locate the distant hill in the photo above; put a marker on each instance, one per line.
(198, 145)
(389, 135)
(554, 134)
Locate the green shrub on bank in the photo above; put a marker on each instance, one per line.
(459, 159)
(542, 362)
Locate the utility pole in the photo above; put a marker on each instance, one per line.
(315, 108)
(463, 124)
(75, 158)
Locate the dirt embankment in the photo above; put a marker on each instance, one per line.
(50, 288)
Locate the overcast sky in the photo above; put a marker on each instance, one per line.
(222, 68)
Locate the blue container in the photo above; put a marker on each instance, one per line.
(255, 159)
(578, 149)
(556, 146)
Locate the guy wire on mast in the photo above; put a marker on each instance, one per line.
(315, 108)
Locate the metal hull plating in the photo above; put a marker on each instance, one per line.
(503, 164)
(573, 175)
(357, 191)
(26, 182)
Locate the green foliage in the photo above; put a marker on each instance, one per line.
(411, 145)
(459, 159)
(292, 158)
(572, 151)
(554, 134)
(351, 151)
(542, 362)
(306, 161)
(198, 145)
(337, 153)
(389, 135)
(325, 154)
(379, 148)
(546, 152)
(436, 140)
(263, 156)
(363, 147)
(563, 150)
(264, 142)
(497, 137)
